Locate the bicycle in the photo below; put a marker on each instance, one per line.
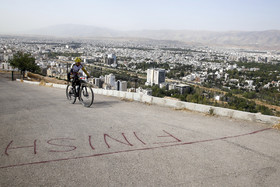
(83, 92)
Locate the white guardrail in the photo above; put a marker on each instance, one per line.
(218, 111)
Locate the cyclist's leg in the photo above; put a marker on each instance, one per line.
(78, 83)
(68, 77)
(74, 84)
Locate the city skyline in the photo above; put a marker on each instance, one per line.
(20, 16)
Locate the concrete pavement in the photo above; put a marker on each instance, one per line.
(46, 141)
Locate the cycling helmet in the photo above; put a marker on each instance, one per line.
(78, 59)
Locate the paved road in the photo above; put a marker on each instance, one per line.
(46, 141)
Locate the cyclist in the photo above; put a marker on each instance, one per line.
(74, 72)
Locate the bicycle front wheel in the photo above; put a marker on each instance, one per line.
(71, 94)
(86, 96)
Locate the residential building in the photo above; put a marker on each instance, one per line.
(121, 85)
(183, 88)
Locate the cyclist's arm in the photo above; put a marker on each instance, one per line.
(85, 71)
(72, 70)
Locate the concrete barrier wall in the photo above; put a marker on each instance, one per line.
(254, 117)
(30, 82)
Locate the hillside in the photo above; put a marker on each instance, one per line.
(259, 39)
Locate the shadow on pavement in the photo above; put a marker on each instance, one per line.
(103, 104)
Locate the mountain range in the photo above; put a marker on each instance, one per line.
(269, 39)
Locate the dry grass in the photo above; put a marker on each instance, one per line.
(45, 79)
(211, 112)
(127, 100)
(187, 110)
(172, 98)
(276, 126)
(146, 103)
(42, 83)
(182, 109)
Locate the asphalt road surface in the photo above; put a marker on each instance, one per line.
(46, 141)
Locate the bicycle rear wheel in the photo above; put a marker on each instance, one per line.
(71, 94)
(86, 96)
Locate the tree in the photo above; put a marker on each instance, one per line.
(24, 62)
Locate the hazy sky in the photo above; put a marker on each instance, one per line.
(215, 15)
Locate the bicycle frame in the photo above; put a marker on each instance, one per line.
(83, 92)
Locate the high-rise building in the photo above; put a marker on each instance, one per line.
(159, 76)
(150, 76)
(155, 76)
(110, 79)
(111, 60)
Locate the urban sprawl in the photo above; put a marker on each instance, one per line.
(208, 75)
